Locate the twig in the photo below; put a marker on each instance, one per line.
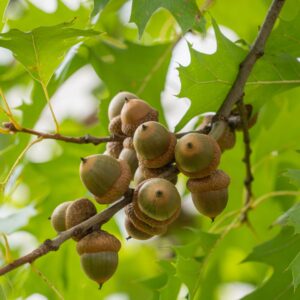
(257, 50)
(86, 139)
(54, 244)
(247, 157)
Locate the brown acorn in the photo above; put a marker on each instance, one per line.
(210, 194)
(153, 173)
(138, 176)
(156, 202)
(141, 225)
(197, 155)
(154, 145)
(58, 217)
(134, 232)
(250, 116)
(77, 212)
(115, 126)
(134, 113)
(114, 148)
(99, 255)
(105, 177)
(223, 134)
(128, 154)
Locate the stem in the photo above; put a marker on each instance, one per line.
(256, 51)
(264, 197)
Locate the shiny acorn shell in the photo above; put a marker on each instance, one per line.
(79, 211)
(105, 177)
(134, 113)
(210, 194)
(197, 155)
(138, 176)
(129, 155)
(117, 102)
(154, 144)
(58, 217)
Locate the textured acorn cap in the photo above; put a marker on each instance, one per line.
(153, 173)
(154, 144)
(58, 217)
(138, 176)
(223, 134)
(129, 155)
(115, 126)
(142, 226)
(156, 201)
(134, 232)
(114, 148)
(117, 102)
(79, 211)
(128, 143)
(105, 177)
(197, 155)
(99, 266)
(134, 113)
(98, 241)
(216, 181)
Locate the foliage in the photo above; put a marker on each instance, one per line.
(130, 48)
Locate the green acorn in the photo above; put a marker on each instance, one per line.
(105, 177)
(197, 155)
(58, 217)
(99, 255)
(154, 145)
(210, 194)
(134, 232)
(138, 176)
(156, 202)
(134, 113)
(128, 154)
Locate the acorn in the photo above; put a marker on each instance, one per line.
(77, 212)
(138, 176)
(58, 217)
(142, 226)
(197, 155)
(210, 194)
(134, 232)
(128, 154)
(224, 135)
(156, 202)
(134, 113)
(115, 126)
(154, 145)
(250, 116)
(114, 148)
(168, 171)
(99, 255)
(105, 177)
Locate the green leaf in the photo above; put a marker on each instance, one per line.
(3, 5)
(291, 218)
(208, 78)
(295, 268)
(294, 176)
(185, 12)
(33, 51)
(98, 5)
(17, 220)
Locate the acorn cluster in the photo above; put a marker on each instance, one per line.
(142, 157)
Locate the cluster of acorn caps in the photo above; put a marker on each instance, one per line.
(141, 158)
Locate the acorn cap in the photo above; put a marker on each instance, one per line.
(128, 143)
(58, 217)
(134, 113)
(114, 148)
(156, 201)
(98, 241)
(197, 155)
(216, 181)
(105, 177)
(117, 102)
(153, 173)
(154, 144)
(142, 226)
(134, 232)
(223, 134)
(79, 211)
(115, 126)
(129, 155)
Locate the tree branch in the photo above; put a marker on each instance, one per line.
(256, 51)
(54, 244)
